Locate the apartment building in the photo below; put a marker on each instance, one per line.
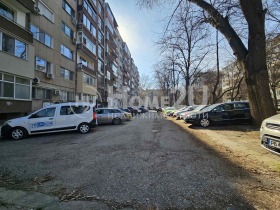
(90, 44)
(55, 51)
(17, 57)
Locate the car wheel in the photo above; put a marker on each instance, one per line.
(84, 128)
(117, 121)
(18, 133)
(204, 123)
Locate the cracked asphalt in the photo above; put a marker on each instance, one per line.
(147, 162)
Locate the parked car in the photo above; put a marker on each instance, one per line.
(110, 115)
(229, 112)
(185, 109)
(167, 110)
(54, 118)
(270, 135)
(173, 113)
(196, 108)
(127, 114)
(133, 111)
(159, 109)
(143, 110)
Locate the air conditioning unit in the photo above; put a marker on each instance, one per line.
(74, 21)
(49, 75)
(36, 81)
(56, 92)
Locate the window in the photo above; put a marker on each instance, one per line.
(100, 37)
(41, 65)
(48, 112)
(89, 79)
(45, 11)
(69, 110)
(89, 45)
(100, 66)
(67, 30)
(108, 75)
(100, 9)
(14, 87)
(6, 12)
(68, 8)
(66, 52)
(89, 26)
(13, 46)
(41, 36)
(90, 10)
(100, 24)
(100, 51)
(241, 106)
(66, 74)
(40, 93)
(66, 96)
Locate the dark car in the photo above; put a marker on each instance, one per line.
(143, 110)
(224, 113)
(133, 111)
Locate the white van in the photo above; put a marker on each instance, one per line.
(78, 116)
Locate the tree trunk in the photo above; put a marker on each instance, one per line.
(256, 74)
(251, 60)
(273, 90)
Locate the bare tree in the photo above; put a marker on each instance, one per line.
(145, 83)
(184, 40)
(250, 57)
(273, 64)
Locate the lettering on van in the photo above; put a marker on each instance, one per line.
(41, 124)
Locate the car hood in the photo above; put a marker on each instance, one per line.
(273, 119)
(17, 120)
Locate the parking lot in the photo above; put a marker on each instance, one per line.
(146, 162)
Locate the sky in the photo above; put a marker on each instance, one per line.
(139, 28)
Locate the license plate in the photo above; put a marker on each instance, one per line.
(273, 143)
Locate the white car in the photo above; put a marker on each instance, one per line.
(54, 118)
(270, 134)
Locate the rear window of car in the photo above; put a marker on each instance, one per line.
(241, 106)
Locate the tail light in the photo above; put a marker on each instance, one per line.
(94, 115)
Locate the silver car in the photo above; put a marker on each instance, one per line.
(109, 115)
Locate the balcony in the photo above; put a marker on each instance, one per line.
(29, 4)
(16, 29)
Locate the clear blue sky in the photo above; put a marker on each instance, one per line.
(139, 28)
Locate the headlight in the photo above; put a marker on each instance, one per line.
(7, 122)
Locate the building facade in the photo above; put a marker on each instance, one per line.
(17, 57)
(55, 51)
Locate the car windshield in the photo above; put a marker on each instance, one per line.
(198, 108)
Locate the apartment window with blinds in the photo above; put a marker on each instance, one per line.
(45, 11)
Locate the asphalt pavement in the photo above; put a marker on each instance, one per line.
(146, 162)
